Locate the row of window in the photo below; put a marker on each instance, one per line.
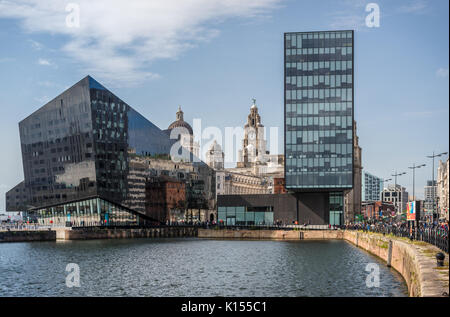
(323, 50)
(298, 37)
(331, 95)
(323, 109)
(319, 180)
(321, 81)
(245, 216)
(322, 121)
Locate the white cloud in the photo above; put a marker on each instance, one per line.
(118, 40)
(44, 62)
(43, 99)
(6, 59)
(417, 6)
(36, 45)
(352, 15)
(442, 72)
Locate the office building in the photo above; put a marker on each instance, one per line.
(397, 195)
(372, 186)
(319, 138)
(430, 199)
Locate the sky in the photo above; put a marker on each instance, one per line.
(213, 56)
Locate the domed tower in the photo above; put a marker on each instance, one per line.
(184, 131)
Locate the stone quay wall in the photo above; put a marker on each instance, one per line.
(105, 233)
(23, 236)
(269, 234)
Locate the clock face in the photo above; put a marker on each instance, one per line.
(252, 135)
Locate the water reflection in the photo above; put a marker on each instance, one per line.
(192, 267)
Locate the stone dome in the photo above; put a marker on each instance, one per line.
(180, 123)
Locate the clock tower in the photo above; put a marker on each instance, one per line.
(253, 145)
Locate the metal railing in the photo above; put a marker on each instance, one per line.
(435, 236)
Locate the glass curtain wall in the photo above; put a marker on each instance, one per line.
(319, 110)
(86, 213)
(245, 216)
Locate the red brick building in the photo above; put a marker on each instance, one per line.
(372, 209)
(165, 198)
(279, 186)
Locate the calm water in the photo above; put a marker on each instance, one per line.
(191, 267)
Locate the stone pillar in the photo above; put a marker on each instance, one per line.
(389, 259)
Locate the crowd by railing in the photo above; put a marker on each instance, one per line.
(434, 234)
(22, 227)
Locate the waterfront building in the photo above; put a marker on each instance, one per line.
(319, 136)
(372, 186)
(254, 144)
(443, 179)
(166, 198)
(279, 186)
(254, 158)
(353, 197)
(377, 209)
(215, 157)
(397, 195)
(232, 183)
(82, 158)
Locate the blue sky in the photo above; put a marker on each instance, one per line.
(212, 57)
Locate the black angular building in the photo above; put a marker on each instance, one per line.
(319, 103)
(76, 157)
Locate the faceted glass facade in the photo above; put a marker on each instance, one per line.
(79, 145)
(86, 213)
(319, 110)
(245, 216)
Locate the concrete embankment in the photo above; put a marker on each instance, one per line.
(414, 261)
(104, 233)
(96, 233)
(269, 234)
(32, 235)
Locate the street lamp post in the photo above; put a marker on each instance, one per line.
(414, 178)
(395, 188)
(432, 173)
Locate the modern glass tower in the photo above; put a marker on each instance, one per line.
(319, 114)
(76, 153)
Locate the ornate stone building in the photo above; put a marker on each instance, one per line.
(353, 197)
(215, 156)
(230, 183)
(254, 145)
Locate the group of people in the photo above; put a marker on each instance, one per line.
(435, 233)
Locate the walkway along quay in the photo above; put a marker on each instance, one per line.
(414, 260)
